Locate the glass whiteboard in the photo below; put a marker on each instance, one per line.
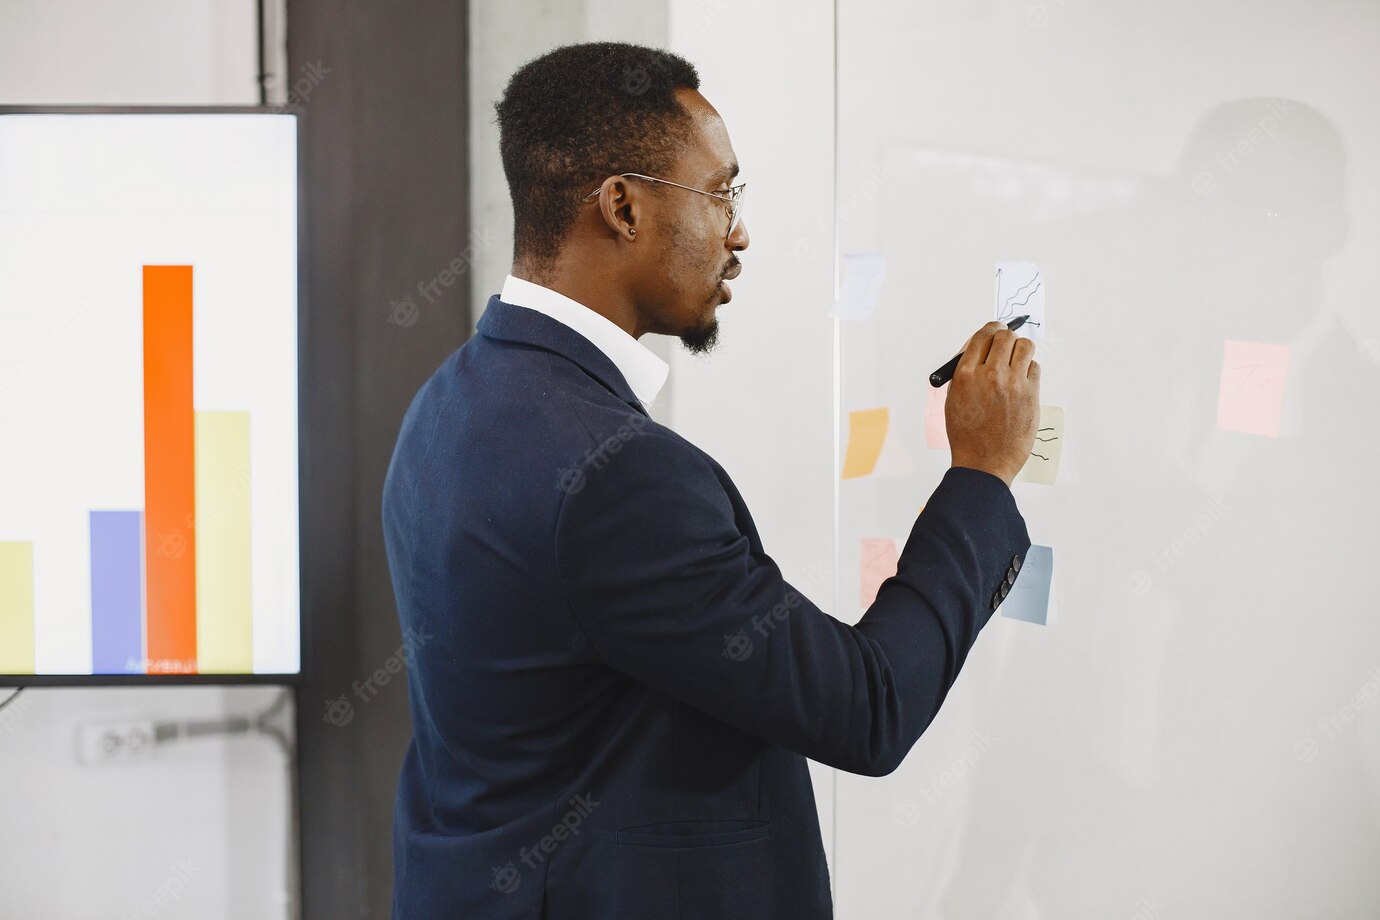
(1194, 731)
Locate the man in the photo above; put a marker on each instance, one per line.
(615, 690)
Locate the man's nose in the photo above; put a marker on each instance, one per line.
(738, 239)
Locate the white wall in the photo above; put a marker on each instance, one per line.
(197, 830)
(200, 829)
(149, 52)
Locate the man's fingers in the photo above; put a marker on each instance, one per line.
(1021, 354)
(1003, 341)
(975, 352)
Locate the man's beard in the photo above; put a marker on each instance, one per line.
(701, 340)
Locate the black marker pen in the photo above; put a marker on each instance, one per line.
(946, 373)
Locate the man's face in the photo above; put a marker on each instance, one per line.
(684, 264)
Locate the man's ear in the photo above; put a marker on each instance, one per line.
(619, 206)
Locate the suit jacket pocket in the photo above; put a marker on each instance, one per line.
(683, 834)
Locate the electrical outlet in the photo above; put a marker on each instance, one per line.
(115, 742)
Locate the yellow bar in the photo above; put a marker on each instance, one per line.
(224, 602)
(16, 608)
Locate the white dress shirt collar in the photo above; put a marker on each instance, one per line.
(639, 365)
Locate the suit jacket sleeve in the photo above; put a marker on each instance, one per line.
(669, 591)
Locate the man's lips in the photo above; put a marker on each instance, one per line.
(733, 273)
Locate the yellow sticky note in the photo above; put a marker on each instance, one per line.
(1252, 389)
(866, 434)
(1042, 466)
(879, 561)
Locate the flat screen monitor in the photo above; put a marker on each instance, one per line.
(148, 396)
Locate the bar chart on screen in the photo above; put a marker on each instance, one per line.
(148, 335)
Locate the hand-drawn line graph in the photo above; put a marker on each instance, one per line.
(1248, 375)
(1051, 437)
(1042, 464)
(1027, 283)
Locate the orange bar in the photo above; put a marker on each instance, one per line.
(169, 471)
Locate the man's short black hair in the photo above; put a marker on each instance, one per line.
(578, 114)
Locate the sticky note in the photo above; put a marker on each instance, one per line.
(1029, 597)
(863, 274)
(1020, 289)
(1043, 464)
(879, 558)
(936, 434)
(1252, 388)
(866, 433)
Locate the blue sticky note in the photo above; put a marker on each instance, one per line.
(1029, 597)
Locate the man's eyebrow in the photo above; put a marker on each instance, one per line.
(724, 174)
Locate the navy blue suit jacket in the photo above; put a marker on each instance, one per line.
(613, 690)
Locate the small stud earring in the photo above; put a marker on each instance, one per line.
(632, 231)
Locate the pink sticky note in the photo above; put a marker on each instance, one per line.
(1252, 389)
(936, 435)
(879, 561)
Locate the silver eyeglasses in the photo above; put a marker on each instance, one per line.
(734, 198)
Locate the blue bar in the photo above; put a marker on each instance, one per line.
(117, 597)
